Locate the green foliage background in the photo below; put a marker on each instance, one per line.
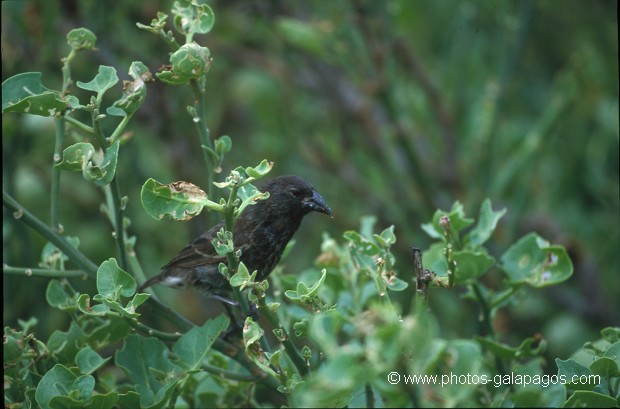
(390, 108)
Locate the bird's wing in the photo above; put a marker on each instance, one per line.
(201, 252)
(198, 253)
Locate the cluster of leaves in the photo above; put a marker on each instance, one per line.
(339, 336)
(369, 348)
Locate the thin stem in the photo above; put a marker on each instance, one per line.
(486, 312)
(42, 272)
(203, 132)
(231, 258)
(236, 376)
(506, 295)
(90, 268)
(78, 124)
(229, 213)
(20, 213)
(289, 347)
(136, 268)
(161, 335)
(370, 396)
(101, 140)
(55, 188)
(60, 140)
(486, 321)
(120, 128)
(115, 209)
(117, 214)
(169, 39)
(66, 72)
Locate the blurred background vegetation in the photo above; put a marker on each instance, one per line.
(391, 108)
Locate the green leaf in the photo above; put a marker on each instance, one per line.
(606, 367)
(139, 71)
(81, 39)
(386, 238)
(192, 348)
(192, 18)
(64, 345)
(259, 171)
(333, 384)
(223, 145)
(191, 60)
(252, 332)
(529, 347)
(75, 157)
(223, 242)
(587, 399)
(458, 221)
(138, 299)
(57, 296)
(274, 359)
(74, 102)
(129, 400)
(175, 201)
(396, 284)
(79, 157)
(487, 221)
(103, 174)
(104, 80)
(465, 357)
(249, 195)
(325, 328)
(241, 277)
(24, 93)
(13, 345)
(84, 306)
(361, 244)
(89, 361)
(570, 370)
(303, 293)
(204, 21)
(104, 401)
(134, 92)
(115, 305)
(157, 24)
(111, 330)
(169, 77)
(143, 359)
(110, 277)
(315, 287)
(533, 261)
(434, 259)
(471, 265)
(613, 352)
(61, 382)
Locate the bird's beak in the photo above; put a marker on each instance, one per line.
(317, 204)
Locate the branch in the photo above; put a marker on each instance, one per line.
(42, 272)
(20, 213)
(289, 347)
(90, 268)
(55, 188)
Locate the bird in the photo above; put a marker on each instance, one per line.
(261, 232)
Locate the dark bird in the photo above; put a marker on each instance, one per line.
(261, 233)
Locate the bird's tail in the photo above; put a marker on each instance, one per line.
(153, 280)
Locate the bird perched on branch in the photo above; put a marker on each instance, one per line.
(261, 233)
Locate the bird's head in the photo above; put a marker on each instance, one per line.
(296, 195)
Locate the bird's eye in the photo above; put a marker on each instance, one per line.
(295, 192)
